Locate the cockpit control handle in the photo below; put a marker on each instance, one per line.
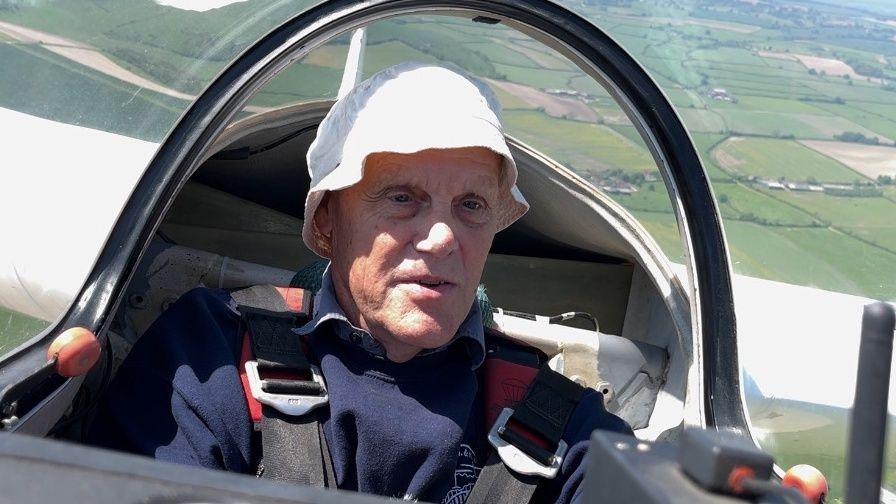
(706, 467)
(868, 424)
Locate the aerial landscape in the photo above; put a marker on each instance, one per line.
(790, 104)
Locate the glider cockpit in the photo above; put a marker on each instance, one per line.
(221, 203)
(236, 223)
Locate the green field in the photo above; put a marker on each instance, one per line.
(876, 121)
(705, 143)
(703, 121)
(501, 54)
(744, 203)
(16, 328)
(872, 219)
(651, 198)
(386, 54)
(543, 79)
(772, 159)
(581, 146)
(663, 228)
(81, 96)
(300, 82)
(805, 256)
(774, 124)
(801, 446)
(769, 104)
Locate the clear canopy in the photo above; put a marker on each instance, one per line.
(792, 107)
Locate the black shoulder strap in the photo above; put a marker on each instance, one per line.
(293, 445)
(527, 441)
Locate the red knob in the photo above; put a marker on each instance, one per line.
(76, 351)
(808, 481)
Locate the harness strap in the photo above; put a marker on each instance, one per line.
(499, 485)
(283, 389)
(528, 403)
(292, 450)
(528, 441)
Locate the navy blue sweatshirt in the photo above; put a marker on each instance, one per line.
(412, 430)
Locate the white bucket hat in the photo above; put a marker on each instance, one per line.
(404, 109)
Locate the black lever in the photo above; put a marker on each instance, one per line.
(869, 412)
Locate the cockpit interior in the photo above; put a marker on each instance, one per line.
(626, 332)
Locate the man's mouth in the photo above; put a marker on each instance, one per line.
(427, 285)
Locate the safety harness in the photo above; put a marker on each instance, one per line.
(527, 403)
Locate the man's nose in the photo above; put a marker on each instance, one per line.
(439, 241)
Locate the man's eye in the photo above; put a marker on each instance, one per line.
(401, 198)
(473, 205)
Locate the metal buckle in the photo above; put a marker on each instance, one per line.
(293, 405)
(516, 459)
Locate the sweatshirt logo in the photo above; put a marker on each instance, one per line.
(464, 476)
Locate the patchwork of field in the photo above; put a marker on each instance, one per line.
(583, 147)
(871, 219)
(773, 159)
(787, 99)
(871, 161)
(554, 106)
(781, 125)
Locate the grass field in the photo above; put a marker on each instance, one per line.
(890, 193)
(872, 219)
(501, 54)
(537, 53)
(81, 96)
(772, 159)
(703, 121)
(744, 203)
(542, 79)
(581, 146)
(705, 142)
(652, 197)
(805, 256)
(383, 55)
(16, 328)
(773, 124)
(663, 228)
(800, 447)
(769, 104)
(301, 82)
(878, 122)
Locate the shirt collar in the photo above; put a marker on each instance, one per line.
(326, 308)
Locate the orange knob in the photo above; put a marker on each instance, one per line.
(76, 351)
(808, 481)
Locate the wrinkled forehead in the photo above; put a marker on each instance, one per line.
(462, 168)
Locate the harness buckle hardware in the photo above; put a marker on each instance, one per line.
(519, 461)
(288, 404)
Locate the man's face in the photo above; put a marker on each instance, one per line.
(409, 243)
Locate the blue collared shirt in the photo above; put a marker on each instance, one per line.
(327, 308)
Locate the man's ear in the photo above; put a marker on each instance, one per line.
(323, 218)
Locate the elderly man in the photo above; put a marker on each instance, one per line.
(411, 179)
